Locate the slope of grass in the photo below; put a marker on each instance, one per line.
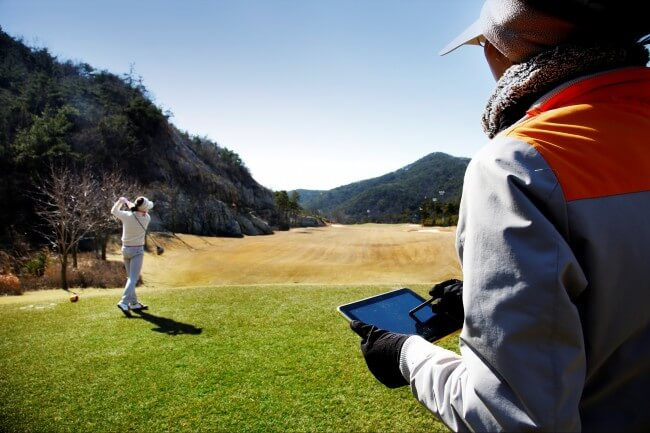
(245, 359)
(387, 254)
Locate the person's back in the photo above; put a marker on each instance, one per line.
(134, 226)
(594, 136)
(582, 159)
(553, 234)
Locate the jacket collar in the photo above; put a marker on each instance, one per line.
(576, 89)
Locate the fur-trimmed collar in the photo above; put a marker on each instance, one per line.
(523, 83)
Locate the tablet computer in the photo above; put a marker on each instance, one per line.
(397, 311)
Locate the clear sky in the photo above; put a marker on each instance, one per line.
(311, 93)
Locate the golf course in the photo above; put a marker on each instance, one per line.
(242, 335)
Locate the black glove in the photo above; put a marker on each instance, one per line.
(450, 299)
(381, 350)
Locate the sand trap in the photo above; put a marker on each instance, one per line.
(429, 231)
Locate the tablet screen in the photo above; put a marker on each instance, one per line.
(390, 311)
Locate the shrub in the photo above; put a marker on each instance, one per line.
(5, 262)
(37, 264)
(91, 272)
(10, 285)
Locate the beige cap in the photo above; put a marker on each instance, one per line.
(520, 29)
(515, 28)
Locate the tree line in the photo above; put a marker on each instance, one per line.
(436, 213)
(289, 206)
(73, 205)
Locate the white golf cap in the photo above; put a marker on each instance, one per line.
(146, 204)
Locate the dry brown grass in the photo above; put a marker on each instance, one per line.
(398, 254)
(10, 285)
(372, 254)
(91, 272)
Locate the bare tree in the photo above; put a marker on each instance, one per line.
(110, 186)
(66, 204)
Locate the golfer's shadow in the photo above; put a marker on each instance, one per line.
(168, 326)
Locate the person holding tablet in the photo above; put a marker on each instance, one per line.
(553, 234)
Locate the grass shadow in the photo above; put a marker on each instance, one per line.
(168, 326)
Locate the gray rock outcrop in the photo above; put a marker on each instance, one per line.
(260, 224)
(308, 221)
(199, 191)
(247, 227)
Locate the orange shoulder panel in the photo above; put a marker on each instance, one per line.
(598, 141)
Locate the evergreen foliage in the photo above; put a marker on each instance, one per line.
(289, 206)
(396, 197)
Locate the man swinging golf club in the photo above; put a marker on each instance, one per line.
(134, 228)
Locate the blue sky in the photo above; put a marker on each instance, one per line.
(311, 93)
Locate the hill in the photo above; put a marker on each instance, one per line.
(65, 113)
(393, 197)
(309, 195)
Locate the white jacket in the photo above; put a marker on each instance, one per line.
(133, 231)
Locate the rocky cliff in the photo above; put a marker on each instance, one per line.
(198, 189)
(64, 113)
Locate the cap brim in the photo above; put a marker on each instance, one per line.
(472, 35)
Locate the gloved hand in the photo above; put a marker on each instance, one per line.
(381, 350)
(450, 299)
(123, 200)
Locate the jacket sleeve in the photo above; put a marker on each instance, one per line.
(522, 363)
(120, 214)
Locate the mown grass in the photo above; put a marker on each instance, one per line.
(231, 359)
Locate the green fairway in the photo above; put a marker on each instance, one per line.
(232, 359)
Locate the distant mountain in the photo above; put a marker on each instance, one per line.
(66, 113)
(309, 195)
(393, 197)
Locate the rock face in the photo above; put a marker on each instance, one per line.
(247, 226)
(260, 224)
(186, 214)
(198, 191)
(252, 225)
(308, 221)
